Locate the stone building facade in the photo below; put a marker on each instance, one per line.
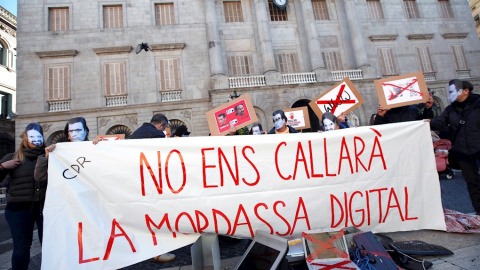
(475, 7)
(78, 58)
(8, 55)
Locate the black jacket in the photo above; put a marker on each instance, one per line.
(147, 131)
(290, 129)
(466, 137)
(403, 114)
(23, 187)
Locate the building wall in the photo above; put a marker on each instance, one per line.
(207, 42)
(475, 8)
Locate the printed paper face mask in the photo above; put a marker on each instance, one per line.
(278, 121)
(328, 124)
(256, 131)
(34, 137)
(453, 93)
(77, 132)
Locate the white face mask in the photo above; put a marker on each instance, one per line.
(328, 125)
(34, 137)
(256, 131)
(77, 132)
(453, 93)
(278, 121)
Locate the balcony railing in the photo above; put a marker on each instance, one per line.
(170, 96)
(59, 106)
(355, 74)
(430, 76)
(247, 81)
(114, 101)
(296, 78)
(463, 74)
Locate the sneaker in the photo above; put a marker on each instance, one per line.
(167, 257)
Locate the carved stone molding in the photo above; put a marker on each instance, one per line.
(103, 122)
(454, 35)
(62, 53)
(187, 114)
(113, 50)
(46, 127)
(420, 36)
(167, 46)
(107, 122)
(383, 37)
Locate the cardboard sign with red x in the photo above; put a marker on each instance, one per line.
(402, 90)
(343, 97)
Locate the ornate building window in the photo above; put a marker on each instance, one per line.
(169, 74)
(58, 83)
(276, 14)
(241, 65)
(332, 60)
(164, 14)
(59, 19)
(233, 11)
(459, 56)
(113, 16)
(115, 78)
(387, 61)
(287, 62)
(320, 10)
(374, 9)
(424, 58)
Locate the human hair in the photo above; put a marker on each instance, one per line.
(372, 119)
(257, 125)
(159, 119)
(222, 114)
(77, 120)
(458, 84)
(330, 116)
(20, 154)
(467, 85)
(282, 114)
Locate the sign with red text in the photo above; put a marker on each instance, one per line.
(342, 97)
(402, 90)
(298, 118)
(120, 202)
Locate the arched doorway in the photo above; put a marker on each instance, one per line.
(120, 129)
(175, 123)
(56, 137)
(314, 121)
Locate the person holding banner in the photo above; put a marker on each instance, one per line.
(154, 129)
(404, 113)
(463, 116)
(331, 122)
(26, 197)
(257, 129)
(280, 122)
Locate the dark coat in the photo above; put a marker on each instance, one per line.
(466, 143)
(23, 187)
(147, 131)
(290, 129)
(403, 114)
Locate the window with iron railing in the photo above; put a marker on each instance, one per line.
(115, 78)
(276, 14)
(58, 82)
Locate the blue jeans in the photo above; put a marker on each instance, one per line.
(21, 223)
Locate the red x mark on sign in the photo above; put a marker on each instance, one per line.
(393, 96)
(334, 266)
(324, 246)
(338, 100)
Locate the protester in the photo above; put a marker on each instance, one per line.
(25, 196)
(154, 129)
(257, 129)
(404, 113)
(331, 122)
(463, 116)
(181, 131)
(280, 122)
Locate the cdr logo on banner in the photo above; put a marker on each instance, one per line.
(74, 169)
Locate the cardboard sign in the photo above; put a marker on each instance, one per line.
(113, 137)
(402, 90)
(298, 118)
(343, 97)
(120, 202)
(238, 112)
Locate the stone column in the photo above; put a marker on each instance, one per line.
(263, 25)
(358, 43)
(213, 39)
(346, 36)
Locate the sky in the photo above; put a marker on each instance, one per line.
(10, 5)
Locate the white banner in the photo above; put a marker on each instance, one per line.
(120, 202)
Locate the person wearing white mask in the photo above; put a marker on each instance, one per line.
(280, 122)
(257, 129)
(463, 117)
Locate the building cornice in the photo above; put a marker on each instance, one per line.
(454, 35)
(9, 18)
(420, 36)
(168, 46)
(383, 37)
(113, 50)
(52, 54)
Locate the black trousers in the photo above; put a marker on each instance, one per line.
(470, 173)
